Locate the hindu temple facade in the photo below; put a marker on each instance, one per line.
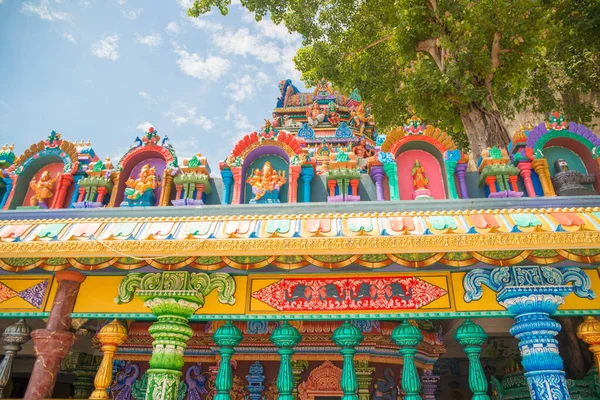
(322, 259)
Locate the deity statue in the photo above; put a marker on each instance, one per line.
(333, 117)
(323, 88)
(567, 182)
(364, 118)
(314, 114)
(354, 119)
(361, 152)
(140, 192)
(266, 184)
(42, 189)
(420, 181)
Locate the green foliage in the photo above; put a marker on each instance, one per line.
(443, 59)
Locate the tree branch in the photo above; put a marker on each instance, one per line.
(495, 61)
(431, 46)
(375, 43)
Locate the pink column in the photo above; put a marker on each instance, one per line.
(61, 190)
(525, 169)
(293, 186)
(52, 344)
(237, 185)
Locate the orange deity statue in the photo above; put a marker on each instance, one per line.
(146, 181)
(314, 114)
(420, 181)
(42, 189)
(266, 183)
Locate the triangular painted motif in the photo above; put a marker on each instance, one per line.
(6, 292)
(35, 294)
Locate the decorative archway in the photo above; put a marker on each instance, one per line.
(323, 381)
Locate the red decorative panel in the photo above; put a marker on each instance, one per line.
(355, 294)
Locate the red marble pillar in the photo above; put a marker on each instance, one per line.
(52, 344)
(237, 185)
(491, 182)
(293, 187)
(61, 190)
(525, 169)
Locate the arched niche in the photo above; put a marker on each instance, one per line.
(132, 168)
(577, 155)
(432, 161)
(256, 159)
(22, 192)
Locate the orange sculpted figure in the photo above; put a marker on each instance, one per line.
(146, 181)
(266, 180)
(420, 181)
(42, 188)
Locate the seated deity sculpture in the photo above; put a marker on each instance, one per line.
(140, 192)
(42, 189)
(420, 182)
(361, 152)
(266, 184)
(567, 182)
(333, 117)
(314, 114)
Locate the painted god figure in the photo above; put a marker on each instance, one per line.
(314, 114)
(420, 181)
(42, 189)
(333, 117)
(266, 184)
(361, 152)
(363, 117)
(140, 192)
(567, 182)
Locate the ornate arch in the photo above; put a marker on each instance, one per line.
(434, 136)
(53, 146)
(322, 381)
(166, 152)
(282, 139)
(540, 135)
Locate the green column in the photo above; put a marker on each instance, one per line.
(173, 297)
(471, 336)
(408, 337)
(226, 337)
(285, 337)
(391, 170)
(450, 170)
(347, 336)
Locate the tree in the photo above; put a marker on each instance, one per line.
(463, 64)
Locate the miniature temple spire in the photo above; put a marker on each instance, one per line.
(408, 337)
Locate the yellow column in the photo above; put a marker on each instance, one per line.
(165, 196)
(589, 332)
(110, 336)
(540, 166)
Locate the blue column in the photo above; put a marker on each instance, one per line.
(227, 183)
(532, 294)
(306, 174)
(76, 178)
(8, 183)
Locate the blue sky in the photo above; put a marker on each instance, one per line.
(105, 69)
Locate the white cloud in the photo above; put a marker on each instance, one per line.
(192, 64)
(134, 13)
(144, 126)
(186, 4)
(147, 97)
(69, 37)
(121, 2)
(239, 120)
(44, 12)
(268, 29)
(1, 1)
(182, 114)
(206, 25)
(245, 88)
(204, 123)
(152, 40)
(173, 27)
(107, 48)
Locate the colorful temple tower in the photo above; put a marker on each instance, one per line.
(151, 278)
